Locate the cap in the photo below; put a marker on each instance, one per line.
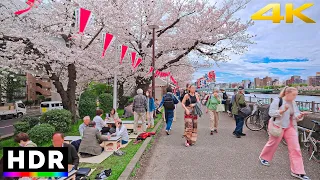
(240, 88)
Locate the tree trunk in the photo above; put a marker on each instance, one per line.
(121, 98)
(71, 90)
(143, 83)
(68, 97)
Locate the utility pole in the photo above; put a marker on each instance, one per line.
(153, 27)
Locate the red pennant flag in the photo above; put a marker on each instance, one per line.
(151, 69)
(84, 19)
(138, 63)
(133, 58)
(30, 3)
(106, 42)
(124, 49)
(173, 80)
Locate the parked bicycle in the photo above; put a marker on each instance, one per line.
(311, 140)
(259, 119)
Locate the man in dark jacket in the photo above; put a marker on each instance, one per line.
(239, 102)
(58, 141)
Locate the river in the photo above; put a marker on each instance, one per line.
(299, 97)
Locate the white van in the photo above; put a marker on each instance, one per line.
(17, 109)
(49, 105)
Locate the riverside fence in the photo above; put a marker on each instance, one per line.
(303, 105)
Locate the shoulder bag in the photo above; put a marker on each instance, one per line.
(242, 112)
(273, 130)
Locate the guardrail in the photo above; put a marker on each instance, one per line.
(303, 105)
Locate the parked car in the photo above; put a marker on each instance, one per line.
(9, 110)
(50, 105)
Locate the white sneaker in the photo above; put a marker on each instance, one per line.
(264, 162)
(300, 176)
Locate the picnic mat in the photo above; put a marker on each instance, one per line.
(96, 159)
(133, 136)
(124, 145)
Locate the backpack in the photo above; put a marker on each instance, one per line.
(280, 104)
(224, 96)
(183, 94)
(82, 174)
(168, 102)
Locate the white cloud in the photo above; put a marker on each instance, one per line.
(278, 41)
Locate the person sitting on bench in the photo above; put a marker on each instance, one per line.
(121, 131)
(91, 140)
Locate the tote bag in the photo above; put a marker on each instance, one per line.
(221, 107)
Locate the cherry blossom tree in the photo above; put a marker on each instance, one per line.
(45, 39)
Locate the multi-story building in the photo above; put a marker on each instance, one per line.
(36, 86)
(267, 81)
(246, 84)
(314, 80)
(257, 82)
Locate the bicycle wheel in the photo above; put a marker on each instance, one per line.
(314, 151)
(254, 122)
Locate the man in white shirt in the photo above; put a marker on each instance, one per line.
(121, 130)
(84, 125)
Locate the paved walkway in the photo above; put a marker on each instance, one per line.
(221, 156)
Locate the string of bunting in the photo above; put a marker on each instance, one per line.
(83, 18)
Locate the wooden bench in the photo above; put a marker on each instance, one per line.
(69, 139)
(129, 124)
(113, 144)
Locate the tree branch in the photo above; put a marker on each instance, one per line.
(94, 37)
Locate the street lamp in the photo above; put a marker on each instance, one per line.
(153, 27)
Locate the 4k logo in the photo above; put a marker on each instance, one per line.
(276, 14)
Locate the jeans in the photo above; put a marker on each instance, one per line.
(239, 124)
(169, 118)
(124, 142)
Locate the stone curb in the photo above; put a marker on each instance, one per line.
(6, 136)
(130, 167)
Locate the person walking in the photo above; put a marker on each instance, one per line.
(139, 108)
(191, 121)
(151, 109)
(284, 115)
(239, 102)
(169, 101)
(212, 104)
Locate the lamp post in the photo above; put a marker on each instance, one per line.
(153, 27)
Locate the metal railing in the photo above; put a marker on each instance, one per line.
(303, 105)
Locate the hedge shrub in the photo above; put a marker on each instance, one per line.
(106, 102)
(21, 126)
(60, 119)
(41, 134)
(87, 104)
(31, 120)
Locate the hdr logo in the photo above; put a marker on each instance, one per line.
(35, 162)
(290, 12)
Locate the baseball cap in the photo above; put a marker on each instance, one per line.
(240, 88)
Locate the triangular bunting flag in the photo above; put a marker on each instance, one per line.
(133, 58)
(138, 63)
(107, 38)
(124, 49)
(84, 16)
(30, 3)
(151, 69)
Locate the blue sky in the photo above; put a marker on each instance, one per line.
(280, 50)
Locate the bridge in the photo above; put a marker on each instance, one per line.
(266, 91)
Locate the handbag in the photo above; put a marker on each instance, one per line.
(274, 131)
(220, 108)
(243, 112)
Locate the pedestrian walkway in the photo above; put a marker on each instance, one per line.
(221, 156)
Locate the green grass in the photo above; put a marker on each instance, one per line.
(116, 163)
